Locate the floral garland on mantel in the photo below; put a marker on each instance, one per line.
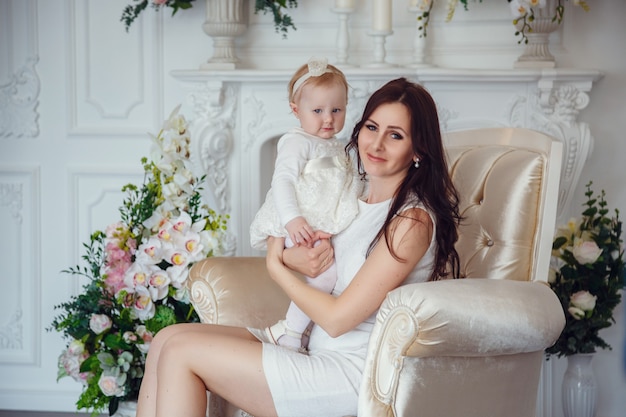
(137, 273)
(523, 12)
(282, 21)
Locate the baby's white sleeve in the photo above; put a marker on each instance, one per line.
(292, 154)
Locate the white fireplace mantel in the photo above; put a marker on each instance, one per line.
(236, 116)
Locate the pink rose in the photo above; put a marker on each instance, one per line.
(100, 323)
(159, 2)
(583, 300)
(108, 386)
(70, 361)
(586, 252)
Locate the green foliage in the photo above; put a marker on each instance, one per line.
(131, 12)
(523, 22)
(601, 278)
(282, 21)
(132, 290)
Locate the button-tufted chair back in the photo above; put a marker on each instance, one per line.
(502, 186)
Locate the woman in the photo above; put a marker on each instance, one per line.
(405, 232)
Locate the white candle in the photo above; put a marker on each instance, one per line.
(344, 4)
(381, 16)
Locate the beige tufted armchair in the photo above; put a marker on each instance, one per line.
(455, 348)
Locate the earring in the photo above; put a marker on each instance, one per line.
(417, 163)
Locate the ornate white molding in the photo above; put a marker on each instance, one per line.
(554, 110)
(11, 332)
(214, 105)
(11, 195)
(19, 81)
(237, 112)
(18, 102)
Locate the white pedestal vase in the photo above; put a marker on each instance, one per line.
(126, 409)
(419, 42)
(225, 20)
(537, 51)
(579, 387)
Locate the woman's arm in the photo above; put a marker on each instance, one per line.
(380, 273)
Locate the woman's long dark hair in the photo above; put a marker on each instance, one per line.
(431, 182)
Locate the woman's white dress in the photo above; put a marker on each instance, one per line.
(326, 381)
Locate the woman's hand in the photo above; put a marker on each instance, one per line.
(275, 250)
(309, 261)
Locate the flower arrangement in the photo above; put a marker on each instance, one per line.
(523, 12)
(587, 274)
(282, 21)
(137, 271)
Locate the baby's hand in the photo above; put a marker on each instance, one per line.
(299, 231)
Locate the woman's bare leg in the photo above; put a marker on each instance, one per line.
(146, 404)
(192, 358)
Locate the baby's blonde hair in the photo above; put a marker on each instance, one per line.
(333, 76)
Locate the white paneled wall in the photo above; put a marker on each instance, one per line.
(115, 79)
(78, 96)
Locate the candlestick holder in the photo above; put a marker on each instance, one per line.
(379, 39)
(343, 35)
(420, 42)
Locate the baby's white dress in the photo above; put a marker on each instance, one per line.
(312, 178)
(326, 382)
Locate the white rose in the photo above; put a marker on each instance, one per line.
(576, 312)
(76, 347)
(129, 337)
(108, 386)
(586, 252)
(71, 363)
(100, 323)
(583, 300)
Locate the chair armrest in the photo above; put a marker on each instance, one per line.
(470, 317)
(236, 291)
(456, 318)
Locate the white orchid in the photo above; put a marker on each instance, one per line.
(140, 266)
(143, 306)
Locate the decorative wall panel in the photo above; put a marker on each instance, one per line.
(95, 197)
(19, 81)
(19, 256)
(112, 90)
